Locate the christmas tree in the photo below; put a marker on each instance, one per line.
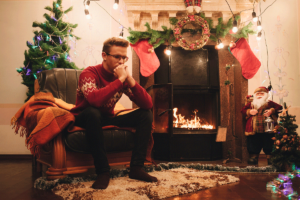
(50, 46)
(286, 151)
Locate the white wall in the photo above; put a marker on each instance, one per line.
(281, 26)
(16, 28)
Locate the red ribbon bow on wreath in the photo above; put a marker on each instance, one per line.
(192, 17)
(176, 31)
(192, 46)
(205, 31)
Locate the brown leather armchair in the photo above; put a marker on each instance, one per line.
(68, 153)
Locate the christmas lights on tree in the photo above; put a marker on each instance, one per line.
(49, 48)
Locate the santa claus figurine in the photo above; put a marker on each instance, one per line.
(256, 113)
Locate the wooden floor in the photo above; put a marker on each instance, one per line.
(17, 178)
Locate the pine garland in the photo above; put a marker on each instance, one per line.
(220, 31)
(244, 32)
(49, 48)
(154, 37)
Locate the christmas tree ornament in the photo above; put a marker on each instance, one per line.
(28, 71)
(29, 43)
(19, 70)
(149, 62)
(54, 18)
(243, 53)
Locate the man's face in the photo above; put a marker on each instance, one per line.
(259, 95)
(110, 59)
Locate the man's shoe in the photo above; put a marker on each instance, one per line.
(136, 172)
(102, 181)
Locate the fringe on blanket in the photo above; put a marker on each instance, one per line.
(19, 129)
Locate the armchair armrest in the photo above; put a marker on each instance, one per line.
(58, 159)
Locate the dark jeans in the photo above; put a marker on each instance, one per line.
(92, 121)
(260, 141)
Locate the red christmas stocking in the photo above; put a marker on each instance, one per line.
(242, 52)
(148, 59)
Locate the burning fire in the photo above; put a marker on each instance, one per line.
(180, 122)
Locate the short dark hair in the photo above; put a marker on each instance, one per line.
(114, 41)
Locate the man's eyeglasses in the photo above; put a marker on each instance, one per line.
(125, 58)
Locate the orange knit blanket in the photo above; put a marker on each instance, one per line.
(40, 120)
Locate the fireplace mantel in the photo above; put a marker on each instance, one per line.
(158, 12)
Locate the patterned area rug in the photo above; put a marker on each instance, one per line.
(171, 182)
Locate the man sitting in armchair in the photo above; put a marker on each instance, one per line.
(99, 89)
(256, 113)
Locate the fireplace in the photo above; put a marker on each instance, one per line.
(186, 105)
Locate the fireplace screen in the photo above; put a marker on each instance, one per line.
(195, 109)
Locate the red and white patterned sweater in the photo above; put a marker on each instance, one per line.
(101, 89)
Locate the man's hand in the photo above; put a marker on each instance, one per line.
(129, 79)
(63, 104)
(121, 73)
(253, 112)
(127, 71)
(267, 113)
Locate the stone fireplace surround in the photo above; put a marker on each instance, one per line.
(157, 13)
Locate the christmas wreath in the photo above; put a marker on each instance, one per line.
(198, 22)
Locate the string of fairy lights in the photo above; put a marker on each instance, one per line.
(86, 4)
(220, 45)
